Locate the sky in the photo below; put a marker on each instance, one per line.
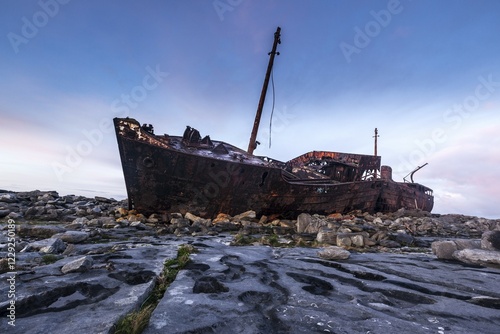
(425, 73)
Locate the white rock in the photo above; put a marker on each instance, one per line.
(334, 253)
(79, 265)
(303, 221)
(358, 240)
(478, 256)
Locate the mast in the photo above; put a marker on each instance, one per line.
(375, 149)
(253, 144)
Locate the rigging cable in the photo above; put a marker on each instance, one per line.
(272, 110)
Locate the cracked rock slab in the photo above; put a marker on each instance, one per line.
(293, 291)
(88, 298)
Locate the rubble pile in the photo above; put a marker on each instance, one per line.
(47, 223)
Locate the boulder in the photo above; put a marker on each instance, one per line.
(8, 198)
(389, 243)
(303, 221)
(82, 264)
(344, 240)
(491, 240)
(192, 217)
(310, 224)
(138, 225)
(39, 231)
(444, 249)
(404, 239)
(245, 215)
(358, 240)
(480, 257)
(180, 222)
(327, 236)
(73, 237)
(334, 253)
(48, 246)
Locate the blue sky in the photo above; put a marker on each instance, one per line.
(425, 73)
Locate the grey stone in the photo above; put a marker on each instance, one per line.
(82, 264)
(467, 244)
(105, 220)
(478, 256)
(334, 253)
(93, 222)
(192, 217)
(48, 246)
(73, 237)
(444, 249)
(14, 215)
(110, 225)
(404, 239)
(124, 222)
(80, 220)
(73, 226)
(344, 240)
(39, 231)
(358, 240)
(303, 221)
(327, 236)
(4, 265)
(389, 243)
(8, 198)
(138, 225)
(34, 212)
(180, 222)
(245, 215)
(310, 224)
(491, 240)
(369, 241)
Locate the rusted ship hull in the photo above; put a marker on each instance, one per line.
(205, 177)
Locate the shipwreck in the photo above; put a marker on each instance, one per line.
(196, 174)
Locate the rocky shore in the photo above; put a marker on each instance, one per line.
(82, 264)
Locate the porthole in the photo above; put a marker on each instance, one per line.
(148, 162)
